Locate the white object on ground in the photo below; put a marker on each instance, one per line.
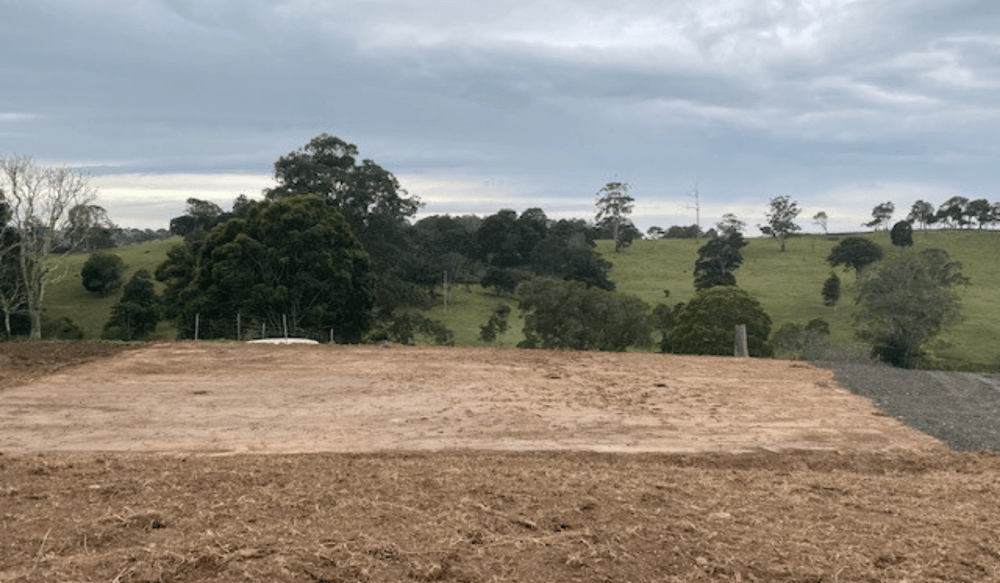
(284, 341)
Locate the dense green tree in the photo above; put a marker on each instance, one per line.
(501, 280)
(103, 273)
(718, 259)
(568, 314)
(922, 212)
(137, 313)
(376, 209)
(295, 258)
(831, 290)
(855, 253)
(613, 205)
(707, 323)
(498, 240)
(567, 252)
(496, 325)
(781, 219)
(902, 234)
(881, 215)
(907, 301)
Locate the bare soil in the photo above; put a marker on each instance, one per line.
(469, 464)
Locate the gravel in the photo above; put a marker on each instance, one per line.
(960, 409)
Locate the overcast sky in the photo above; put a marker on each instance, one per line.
(480, 106)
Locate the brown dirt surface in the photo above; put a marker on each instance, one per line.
(462, 464)
(235, 398)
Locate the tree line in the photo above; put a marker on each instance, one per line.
(332, 252)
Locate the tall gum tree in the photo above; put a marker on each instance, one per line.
(781, 219)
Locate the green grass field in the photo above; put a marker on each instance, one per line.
(787, 284)
(66, 297)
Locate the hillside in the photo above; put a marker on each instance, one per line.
(787, 284)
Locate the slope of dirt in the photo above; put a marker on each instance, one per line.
(232, 398)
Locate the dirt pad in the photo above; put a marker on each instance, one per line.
(866, 499)
(239, 398)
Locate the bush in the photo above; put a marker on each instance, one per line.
(136, 315)
(707, 324)
(103, 273)
(808, 343)
(567, 314)
(61, 329)
(496, 325)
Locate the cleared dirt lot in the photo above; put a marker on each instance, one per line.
(238, 398)
(470, 465)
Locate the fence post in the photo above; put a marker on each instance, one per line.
(284, 324)
(197, 317)
(331, 335)
(741, 348)
(237, 326)
(263, 330)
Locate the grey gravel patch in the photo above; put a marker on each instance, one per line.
(960, 409)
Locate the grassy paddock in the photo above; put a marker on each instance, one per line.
(787, 284)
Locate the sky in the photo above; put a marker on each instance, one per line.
(480, 106)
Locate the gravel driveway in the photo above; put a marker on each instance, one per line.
(960, 409)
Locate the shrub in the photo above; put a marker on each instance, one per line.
(707, 324)
(567, 314)
(103, 273)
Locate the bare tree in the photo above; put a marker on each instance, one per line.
(38, 200)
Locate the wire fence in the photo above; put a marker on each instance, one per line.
(242, 328)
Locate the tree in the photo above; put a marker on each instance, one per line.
(199, 217)
(781, 219)
(613, 204)
(89, 224)
(952, 212)
(831, 290)
(496, 325)
(821, 219)
(369, 198)
(567, 314)
(655, 232)
(567, 252)
(717, 260)
(103, 273)
(854, 252)
(293, 258)
(11, 288)
(902, 234)
(137, 313)
(501, 280)
(906, 302)
(707, 323)
(922, 213)
(730, 224)
(980, 210)
(881, 215)
(37, 200)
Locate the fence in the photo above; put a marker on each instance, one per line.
(244, 329)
